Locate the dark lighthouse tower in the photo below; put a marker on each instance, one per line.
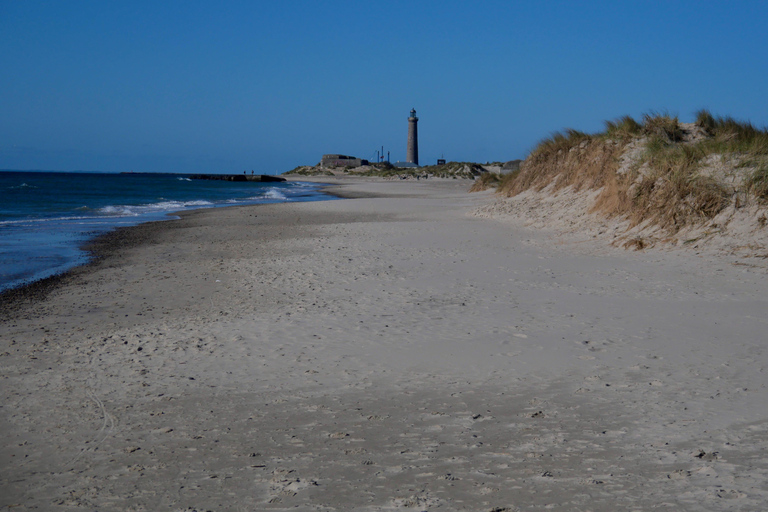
(412, 155)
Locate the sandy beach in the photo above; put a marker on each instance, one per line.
(388, 351)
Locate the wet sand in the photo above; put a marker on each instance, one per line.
(383, 352)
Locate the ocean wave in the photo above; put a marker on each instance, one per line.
(183, 179)
(274, 193)
(163, 206)
(199, 202)
(23, 185)
(119, 210)
(125, 211)
(41, 220)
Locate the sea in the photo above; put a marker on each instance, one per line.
(46, 217)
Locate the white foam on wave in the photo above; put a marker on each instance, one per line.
(303, 184)
(122, 211)
(40, 220)
(274, 193)
(199, 202)
(162, 206)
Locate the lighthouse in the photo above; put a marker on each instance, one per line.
(412, 155)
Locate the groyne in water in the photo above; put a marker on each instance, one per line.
(262, 178)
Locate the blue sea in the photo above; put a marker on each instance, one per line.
(45, 217)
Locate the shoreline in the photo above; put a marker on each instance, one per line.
(100, 246)
(383, 352)
(41, 245)
(119, 238)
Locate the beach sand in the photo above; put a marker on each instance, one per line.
(391, 351)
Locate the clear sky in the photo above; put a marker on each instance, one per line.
(190, 86)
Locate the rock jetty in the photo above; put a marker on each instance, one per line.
(238, 177)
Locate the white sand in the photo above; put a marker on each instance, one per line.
(384, 353)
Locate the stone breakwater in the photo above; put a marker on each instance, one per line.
(262, 178)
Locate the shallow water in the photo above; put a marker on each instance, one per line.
(45, 217)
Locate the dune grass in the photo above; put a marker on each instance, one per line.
(623, 128)
(758, 182)
(665, 185)
(662, 127)
(558, 142)
(567, 158)
(729, 135)
(450, 170)
(485, 181)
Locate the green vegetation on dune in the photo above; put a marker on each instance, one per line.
(455, 170)
(657, 171)
(485, 181)
(729, 135)
(308, 170)
(623, 128)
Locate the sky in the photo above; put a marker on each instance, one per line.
(223, 87)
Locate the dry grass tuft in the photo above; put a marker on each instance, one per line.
(758, 182)
(705, 120)
(485, 181)
(665, 184)
(662, 127)
(558, 142)
(673, 200)
(731, 136)
(578, 161)
(637, 243)
(624, 128)
(669, 191)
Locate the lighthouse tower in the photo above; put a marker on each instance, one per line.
(412, 155)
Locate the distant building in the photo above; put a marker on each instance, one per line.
(341, 161)
(441, 161)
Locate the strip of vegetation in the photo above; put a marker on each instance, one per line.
(308, 170)
(485, 181)
(668, 182)
(454, 170)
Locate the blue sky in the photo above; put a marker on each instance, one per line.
(193, 86)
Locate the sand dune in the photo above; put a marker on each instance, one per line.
(392, 351)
